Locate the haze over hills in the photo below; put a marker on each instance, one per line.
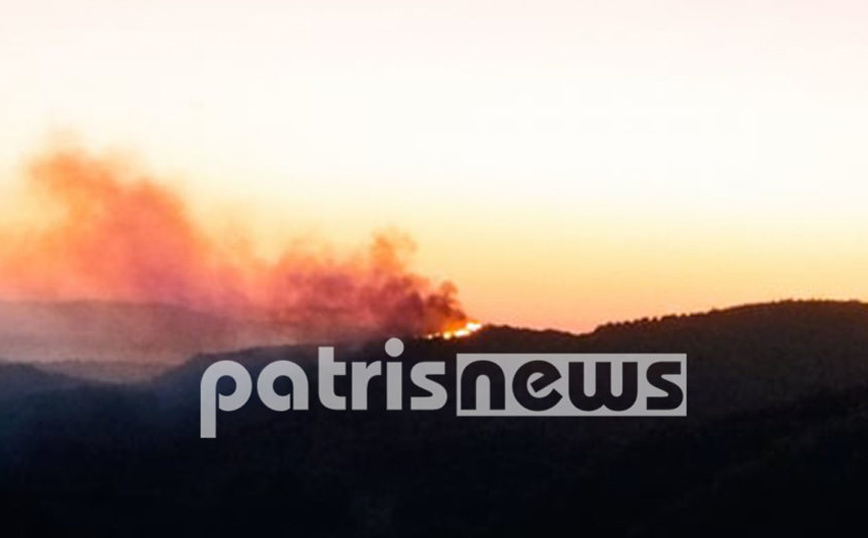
(112, 341)
(115, 332)
(776, 420)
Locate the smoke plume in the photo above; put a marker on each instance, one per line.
(111, 237)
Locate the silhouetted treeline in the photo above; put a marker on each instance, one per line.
(773, 445)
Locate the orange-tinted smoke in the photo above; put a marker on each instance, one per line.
(107, 237)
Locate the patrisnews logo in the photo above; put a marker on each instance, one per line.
(484, 385)
(571, 385)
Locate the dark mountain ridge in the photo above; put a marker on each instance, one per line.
(778, 416)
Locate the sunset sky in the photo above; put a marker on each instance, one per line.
(564, 163)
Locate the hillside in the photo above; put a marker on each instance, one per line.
(778, 410)
(18, 380)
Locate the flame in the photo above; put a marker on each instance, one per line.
(104, 233)
(461, 332)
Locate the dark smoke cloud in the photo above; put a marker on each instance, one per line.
(108, 235)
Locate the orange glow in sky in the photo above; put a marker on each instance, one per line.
(565, 163)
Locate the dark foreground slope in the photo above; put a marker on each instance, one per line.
(774, 443)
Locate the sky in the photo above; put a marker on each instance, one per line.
(563, 163)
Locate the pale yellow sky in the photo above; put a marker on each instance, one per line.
(565, 163)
